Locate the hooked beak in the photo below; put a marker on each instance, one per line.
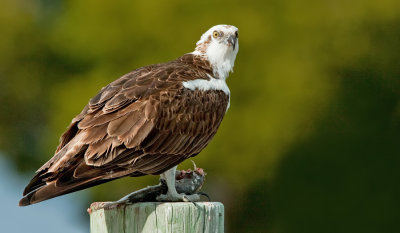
(232, 41)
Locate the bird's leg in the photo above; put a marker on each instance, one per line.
(172, 194)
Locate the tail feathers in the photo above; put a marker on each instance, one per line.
(37, 182)
(51, 190)
(77, 177)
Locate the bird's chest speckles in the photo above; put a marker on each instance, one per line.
(186, 108)
(190, 101)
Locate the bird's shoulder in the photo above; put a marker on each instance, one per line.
(146, 81)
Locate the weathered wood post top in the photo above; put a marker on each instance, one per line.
(174, 217)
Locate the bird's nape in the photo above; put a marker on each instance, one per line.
(144, 123)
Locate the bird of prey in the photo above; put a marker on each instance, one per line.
(146, 122)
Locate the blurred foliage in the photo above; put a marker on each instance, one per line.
(311, 141)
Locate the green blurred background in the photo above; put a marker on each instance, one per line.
(311, 142)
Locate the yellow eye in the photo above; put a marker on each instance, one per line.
(215, 34)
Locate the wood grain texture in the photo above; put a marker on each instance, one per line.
(178, 217)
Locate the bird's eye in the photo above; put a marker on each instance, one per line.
(237, 34)
(215, 34)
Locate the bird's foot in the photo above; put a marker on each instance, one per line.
(178, 197)
(204, 194)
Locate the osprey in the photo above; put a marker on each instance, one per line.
(146, 122)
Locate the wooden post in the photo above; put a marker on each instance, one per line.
(154, 217)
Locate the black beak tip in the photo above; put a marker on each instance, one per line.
(232, 41)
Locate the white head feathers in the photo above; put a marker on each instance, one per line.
(219, 45)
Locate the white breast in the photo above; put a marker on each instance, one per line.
(205, 85)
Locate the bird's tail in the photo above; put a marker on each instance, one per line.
(81, 176)
(51, 190)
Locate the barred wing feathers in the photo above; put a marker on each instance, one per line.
(143, 123)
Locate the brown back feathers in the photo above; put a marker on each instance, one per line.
(143, 123)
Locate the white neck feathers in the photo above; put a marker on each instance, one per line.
(206, 85)
(218, 50)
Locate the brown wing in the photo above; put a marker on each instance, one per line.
(143, 123)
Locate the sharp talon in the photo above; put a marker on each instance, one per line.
(194, 165)
(186, 199)
(195, 204)
(204, 194)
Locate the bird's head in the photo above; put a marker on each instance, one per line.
(219, 45)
